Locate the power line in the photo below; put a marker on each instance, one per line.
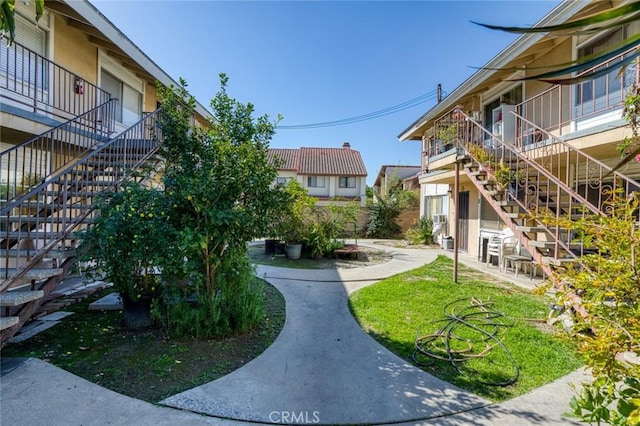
(370, 116)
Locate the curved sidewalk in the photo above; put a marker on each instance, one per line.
(322, 369)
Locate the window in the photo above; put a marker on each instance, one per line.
(22, 64)
(598, 94)
(282, 180)
(433, 205)
(315, 181)
(347, 182)
(129, 101)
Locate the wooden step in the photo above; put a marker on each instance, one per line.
(20, 297)
(6, 322)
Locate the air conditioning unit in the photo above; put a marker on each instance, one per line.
(439, 218)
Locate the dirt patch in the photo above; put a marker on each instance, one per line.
(146, 364)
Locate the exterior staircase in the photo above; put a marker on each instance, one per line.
(552, 179)
(41, 223)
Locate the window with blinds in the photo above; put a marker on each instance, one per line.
(23, 62)
(600, 93)
(129, 100)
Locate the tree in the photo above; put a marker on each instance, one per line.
(219, 183)
(7, 16)
(607, 330)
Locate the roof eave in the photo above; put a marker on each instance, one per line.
(89, 12)
(559, 14)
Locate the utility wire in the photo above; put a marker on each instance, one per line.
(370, 116)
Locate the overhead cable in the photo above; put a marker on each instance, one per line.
(370, 116)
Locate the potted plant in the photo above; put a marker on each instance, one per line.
(296, 217)
(129, 243)
(502, 176)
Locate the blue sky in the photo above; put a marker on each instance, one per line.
(320, 61)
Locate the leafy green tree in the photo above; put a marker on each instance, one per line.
(7, 16)
(219, 183)
(604, 288)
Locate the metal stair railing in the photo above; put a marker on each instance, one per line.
(593, 180)
(538, 190)
(32, 82)
(26, 165)
(50, 212)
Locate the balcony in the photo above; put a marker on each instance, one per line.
(33, 87)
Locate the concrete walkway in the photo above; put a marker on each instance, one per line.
(322, 369)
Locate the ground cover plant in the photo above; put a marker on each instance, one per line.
(394, 310)
(146, 364)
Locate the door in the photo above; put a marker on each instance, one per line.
(463, 221)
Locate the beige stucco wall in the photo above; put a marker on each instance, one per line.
(73, 51)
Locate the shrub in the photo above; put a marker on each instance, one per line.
(421, 232)
(382, 219)
(130, 239)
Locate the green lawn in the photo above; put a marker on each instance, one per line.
(395, 310)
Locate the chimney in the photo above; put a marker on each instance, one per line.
(346, 145)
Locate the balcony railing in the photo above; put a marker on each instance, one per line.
(26, 165)
(561, 108)
(31, 82)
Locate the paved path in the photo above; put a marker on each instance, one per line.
(322, 369)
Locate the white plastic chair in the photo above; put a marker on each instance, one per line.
(500, 245)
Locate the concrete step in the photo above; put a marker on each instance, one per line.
(20, 297)
(33, 220)
(36, 274)
(85, 172)
(557, 262)
(6, 322)
(33, 235)
(53, 254)
(552, 244)
(531, 228)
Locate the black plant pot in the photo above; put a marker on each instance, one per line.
(137, 313)
(270, 246)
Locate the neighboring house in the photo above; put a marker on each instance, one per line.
(329, 174)
(559, 142)
(78, 110)
(391, 175)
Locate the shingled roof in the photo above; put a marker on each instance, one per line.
(321, 161)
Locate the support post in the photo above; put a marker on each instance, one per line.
(456, 215)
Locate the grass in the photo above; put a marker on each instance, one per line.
(394, 310)
(145, 364)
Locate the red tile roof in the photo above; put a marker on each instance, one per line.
(321, 161)
(289, 158)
